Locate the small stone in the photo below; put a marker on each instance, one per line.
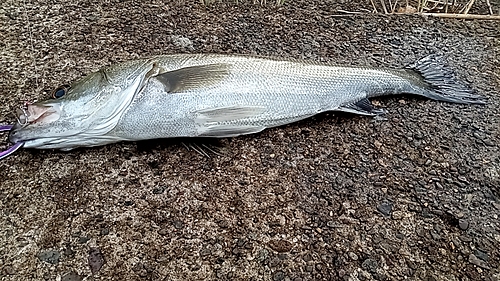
(262, 255)
(72, 276)
(282, 256)
(178, 224)
(278, 276)
(370, 265)
(353, 256)
(307, 258)
(205, 252)
(309, 268)
(463, 224)
(435, 236)
(465, 238)
(8, 270)
(104, 231)
(182, 42)
(140, 270)
(474, 260)
(385, 208)
(95, 260)
(488, 142)
(49, 256)
(68, 252)
(83, 239)
(331, 224)
(481, 255)
(280, 246)
(162, 232)
(159, 190)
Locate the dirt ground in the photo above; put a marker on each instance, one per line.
(413, 195)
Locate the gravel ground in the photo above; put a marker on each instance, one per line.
(413, 195)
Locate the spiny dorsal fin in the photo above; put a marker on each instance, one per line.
(362, 107)
(193, 77)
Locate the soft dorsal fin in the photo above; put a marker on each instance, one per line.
(192, 77)
(362, 107)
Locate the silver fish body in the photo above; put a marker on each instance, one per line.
(217, 96)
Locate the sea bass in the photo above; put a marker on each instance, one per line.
(207, 95)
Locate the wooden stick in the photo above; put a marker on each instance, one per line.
(383, 6)
(462, 16)
(374, 7)
(489, 6)
(469, 6)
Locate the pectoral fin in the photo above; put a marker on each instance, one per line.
(192, 77)
(223, 121)
(362, 107)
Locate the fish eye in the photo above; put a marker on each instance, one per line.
(60, 92)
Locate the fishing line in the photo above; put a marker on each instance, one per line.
(30, 33)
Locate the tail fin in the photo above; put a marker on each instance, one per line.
(442, 85)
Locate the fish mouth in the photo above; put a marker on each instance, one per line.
(36, 113)
(32, 114)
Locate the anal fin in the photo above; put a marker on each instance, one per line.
(227, 131)
(362, 107)
(228, 121)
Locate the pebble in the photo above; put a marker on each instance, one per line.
(353, 256)
(280, 246)
(159, 190)
(481, 255)
(385, 208)
(474, 260)
(139, 269)
(178, 224)
(129, 203)
(72, 276)
(95, 260)
(50, 256)
(278, 276)
(104, 231)
(463, 224)
(68, 252)
(262, 255)
(205, 252)
(370, 265)
(307, 258)
(182, 42)
(83, 239)
(465, 238)
(8, 270)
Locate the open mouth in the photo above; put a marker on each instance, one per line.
(33, 113)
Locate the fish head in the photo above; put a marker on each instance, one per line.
(83, 113)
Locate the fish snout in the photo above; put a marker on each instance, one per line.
(15, 134)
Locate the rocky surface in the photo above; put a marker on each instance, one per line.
(413, 195)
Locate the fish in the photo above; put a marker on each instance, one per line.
(215, 95)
